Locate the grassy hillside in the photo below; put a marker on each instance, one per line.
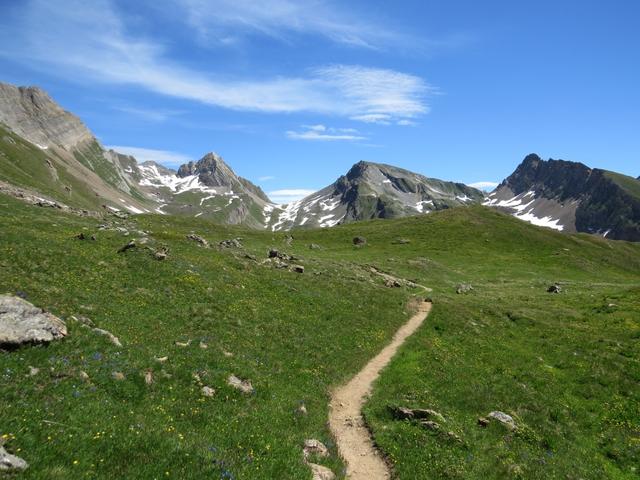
(297, 335)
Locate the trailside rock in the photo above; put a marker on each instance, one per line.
(314, 447)
(10, 462)
(320, 472)
(21, 322)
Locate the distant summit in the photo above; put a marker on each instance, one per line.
(571, 197)
(374, 190)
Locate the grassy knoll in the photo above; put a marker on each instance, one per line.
(297, 335)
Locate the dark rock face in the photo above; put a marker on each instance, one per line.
(604, 202)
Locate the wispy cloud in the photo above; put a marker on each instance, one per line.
(152, 115)
(484, 185)
(289, 195)
(90, 42)
(164, 157)
(225, 20)
(266, 178)
(323, 133)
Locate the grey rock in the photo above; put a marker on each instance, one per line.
(504, 419)
(314, 447)
(297, 268)
(243, 385)
(208, 391)
(21, 322)
(430, 425)
(321, 472)
(314, 246)
(231, 243)
(463, 288)
(9, 462)
(128, 246)
(555, 288)
(105, 333)
(359, 240)
(198, 239)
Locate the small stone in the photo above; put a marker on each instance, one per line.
(33, 371)
(203, 345)
(84, 376)
(198, 239)
(183, 344)
(392, 283)
(555, 288)
(314, 447)
(428, 413)
(297, 268)
(161, 359)
(463, 288)
(243, 385)
(227, 354)
(302, 409)
(503, 418)
(453, 436)
(117, 376)
(401, 241)
(128, 246)
(148, 377)
(160, 255)
(359, 241)
(81, 236)
(10, 462)
(112, 338)
(231, 243)
(430, 425)
(314, 246)
(208, 391)
(483, 422)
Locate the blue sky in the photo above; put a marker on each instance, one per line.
(293, 92)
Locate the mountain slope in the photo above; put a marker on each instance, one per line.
(46, 148)
(373, 190)
(570, 196)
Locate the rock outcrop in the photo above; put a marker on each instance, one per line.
(31, 113)
(21, 322)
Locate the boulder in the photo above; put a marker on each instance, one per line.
(10, 462)
(21, 322)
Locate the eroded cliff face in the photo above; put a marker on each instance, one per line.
(33, 115)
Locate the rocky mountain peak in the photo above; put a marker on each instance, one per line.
(31, 113)
(212, 170)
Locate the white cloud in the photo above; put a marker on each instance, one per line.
(266, 178)
(164, 157)
(323, 133)
(484, 185)
(406, 123)
(379, 118)
(90, 42)
(225, 20)
(289, 195)
(151, 115)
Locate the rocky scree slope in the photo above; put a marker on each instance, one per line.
(571, 197)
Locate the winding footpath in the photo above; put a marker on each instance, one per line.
(355, 445)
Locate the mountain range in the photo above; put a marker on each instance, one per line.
(47, 153)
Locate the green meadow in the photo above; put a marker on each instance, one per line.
(565, 366)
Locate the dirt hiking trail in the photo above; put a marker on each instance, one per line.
(355, 445)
